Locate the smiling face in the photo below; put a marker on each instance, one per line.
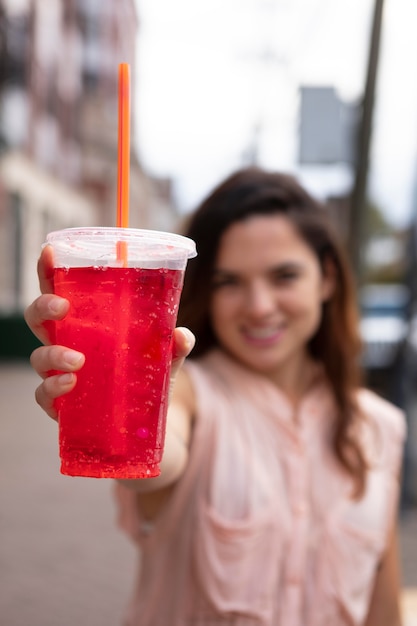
(268, 290)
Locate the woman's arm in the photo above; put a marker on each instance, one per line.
(177, 438)
(385, 602)
(152, 493)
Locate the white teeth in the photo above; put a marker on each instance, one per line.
(261, 333)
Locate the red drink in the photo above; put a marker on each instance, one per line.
(112, 424)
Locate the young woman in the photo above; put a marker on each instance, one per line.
(276, 504)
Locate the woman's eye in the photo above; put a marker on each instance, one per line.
(217, 283)
(285, 277)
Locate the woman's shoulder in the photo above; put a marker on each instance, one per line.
(384, 431)
(382, 412)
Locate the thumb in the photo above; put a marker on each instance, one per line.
(183, 343)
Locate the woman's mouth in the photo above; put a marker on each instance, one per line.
(264, 336)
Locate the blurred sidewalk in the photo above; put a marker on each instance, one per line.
(62, 561)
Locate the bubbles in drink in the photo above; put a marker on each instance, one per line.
(142, 432)
(118, 391)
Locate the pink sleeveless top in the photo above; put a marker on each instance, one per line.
(261, 530)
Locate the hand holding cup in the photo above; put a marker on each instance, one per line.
(58, 365)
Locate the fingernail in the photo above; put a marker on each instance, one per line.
(72, 358)
(66, 379)
(189, 337)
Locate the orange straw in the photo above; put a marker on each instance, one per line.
(123, 158)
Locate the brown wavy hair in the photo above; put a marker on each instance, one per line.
(336, 344)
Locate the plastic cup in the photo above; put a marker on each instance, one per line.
(123, 310)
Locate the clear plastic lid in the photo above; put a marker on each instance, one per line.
(98, 246)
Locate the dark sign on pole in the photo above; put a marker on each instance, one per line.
(328, 127)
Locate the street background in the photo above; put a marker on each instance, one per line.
(216, 85)
(63, 561)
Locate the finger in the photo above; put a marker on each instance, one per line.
(184, 341)
(51, 389)
(41, 314)
(46, 270)
(47, 359)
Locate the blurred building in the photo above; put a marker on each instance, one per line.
(58, 130)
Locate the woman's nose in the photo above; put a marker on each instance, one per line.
(261, 300)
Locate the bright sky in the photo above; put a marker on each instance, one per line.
(210, 73)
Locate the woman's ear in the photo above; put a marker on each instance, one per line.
(328, 279)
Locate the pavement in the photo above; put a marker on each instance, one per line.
(62, 560)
